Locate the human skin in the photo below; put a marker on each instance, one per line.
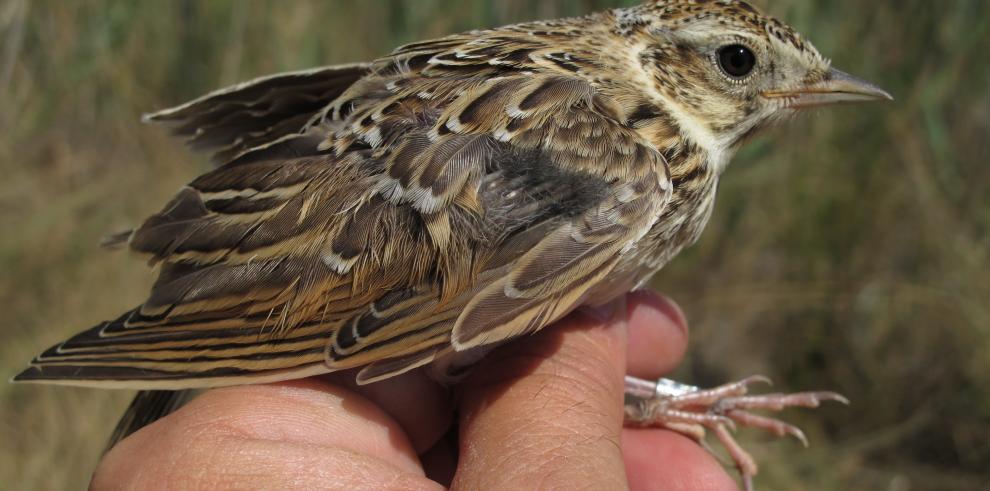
(542, 412)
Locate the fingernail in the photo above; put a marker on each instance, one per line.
(608, 312)
(665, 306)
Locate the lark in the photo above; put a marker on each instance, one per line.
(458, 194)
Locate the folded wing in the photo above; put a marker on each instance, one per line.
(428, 221)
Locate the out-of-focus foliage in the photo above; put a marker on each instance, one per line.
(848, 251)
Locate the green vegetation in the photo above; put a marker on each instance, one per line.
(848, 251)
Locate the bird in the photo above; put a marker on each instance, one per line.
(458, 194)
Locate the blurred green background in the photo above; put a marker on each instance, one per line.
(848, 251)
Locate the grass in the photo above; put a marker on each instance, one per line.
(849, 251)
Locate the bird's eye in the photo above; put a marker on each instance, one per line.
(736, 60)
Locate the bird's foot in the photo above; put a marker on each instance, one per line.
(691, 410)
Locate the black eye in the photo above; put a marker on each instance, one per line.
(736, 60)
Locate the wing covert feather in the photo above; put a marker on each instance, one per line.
(253, 115)
(427, 219)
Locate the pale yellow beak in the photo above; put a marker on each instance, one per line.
(838, 87)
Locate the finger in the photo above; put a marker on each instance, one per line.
(440, 461)
(224, 435)
(420, 405)
(546, 411)
(658, 335)
(664, 460)
(236, 463)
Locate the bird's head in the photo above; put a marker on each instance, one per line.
(725, 70)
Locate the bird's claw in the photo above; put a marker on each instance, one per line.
(721, 409)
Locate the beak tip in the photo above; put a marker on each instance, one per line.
(881, 95)
(844, 82)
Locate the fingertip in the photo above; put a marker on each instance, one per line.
(659, 459)
(419, 404)
(658, 334)
(666, 305)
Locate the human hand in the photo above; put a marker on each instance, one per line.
(541, 412)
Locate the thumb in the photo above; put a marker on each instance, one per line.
(546, 411)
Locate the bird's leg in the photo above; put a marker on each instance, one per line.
(691, 410)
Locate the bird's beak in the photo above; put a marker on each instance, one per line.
(838, 87)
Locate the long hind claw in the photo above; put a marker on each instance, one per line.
(744, 462)
(690, 410)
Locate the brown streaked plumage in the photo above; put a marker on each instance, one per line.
(445, 199)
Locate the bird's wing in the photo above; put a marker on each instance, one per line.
(563, 186)
(245, 290)
(437, 218)
(257, 114)
(576, 131)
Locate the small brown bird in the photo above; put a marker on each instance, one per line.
(457, 194)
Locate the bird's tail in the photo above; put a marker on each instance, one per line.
(147, 407)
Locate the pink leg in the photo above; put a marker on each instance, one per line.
(690, 410)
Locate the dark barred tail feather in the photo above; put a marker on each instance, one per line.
(133, 352)
(147, 407)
